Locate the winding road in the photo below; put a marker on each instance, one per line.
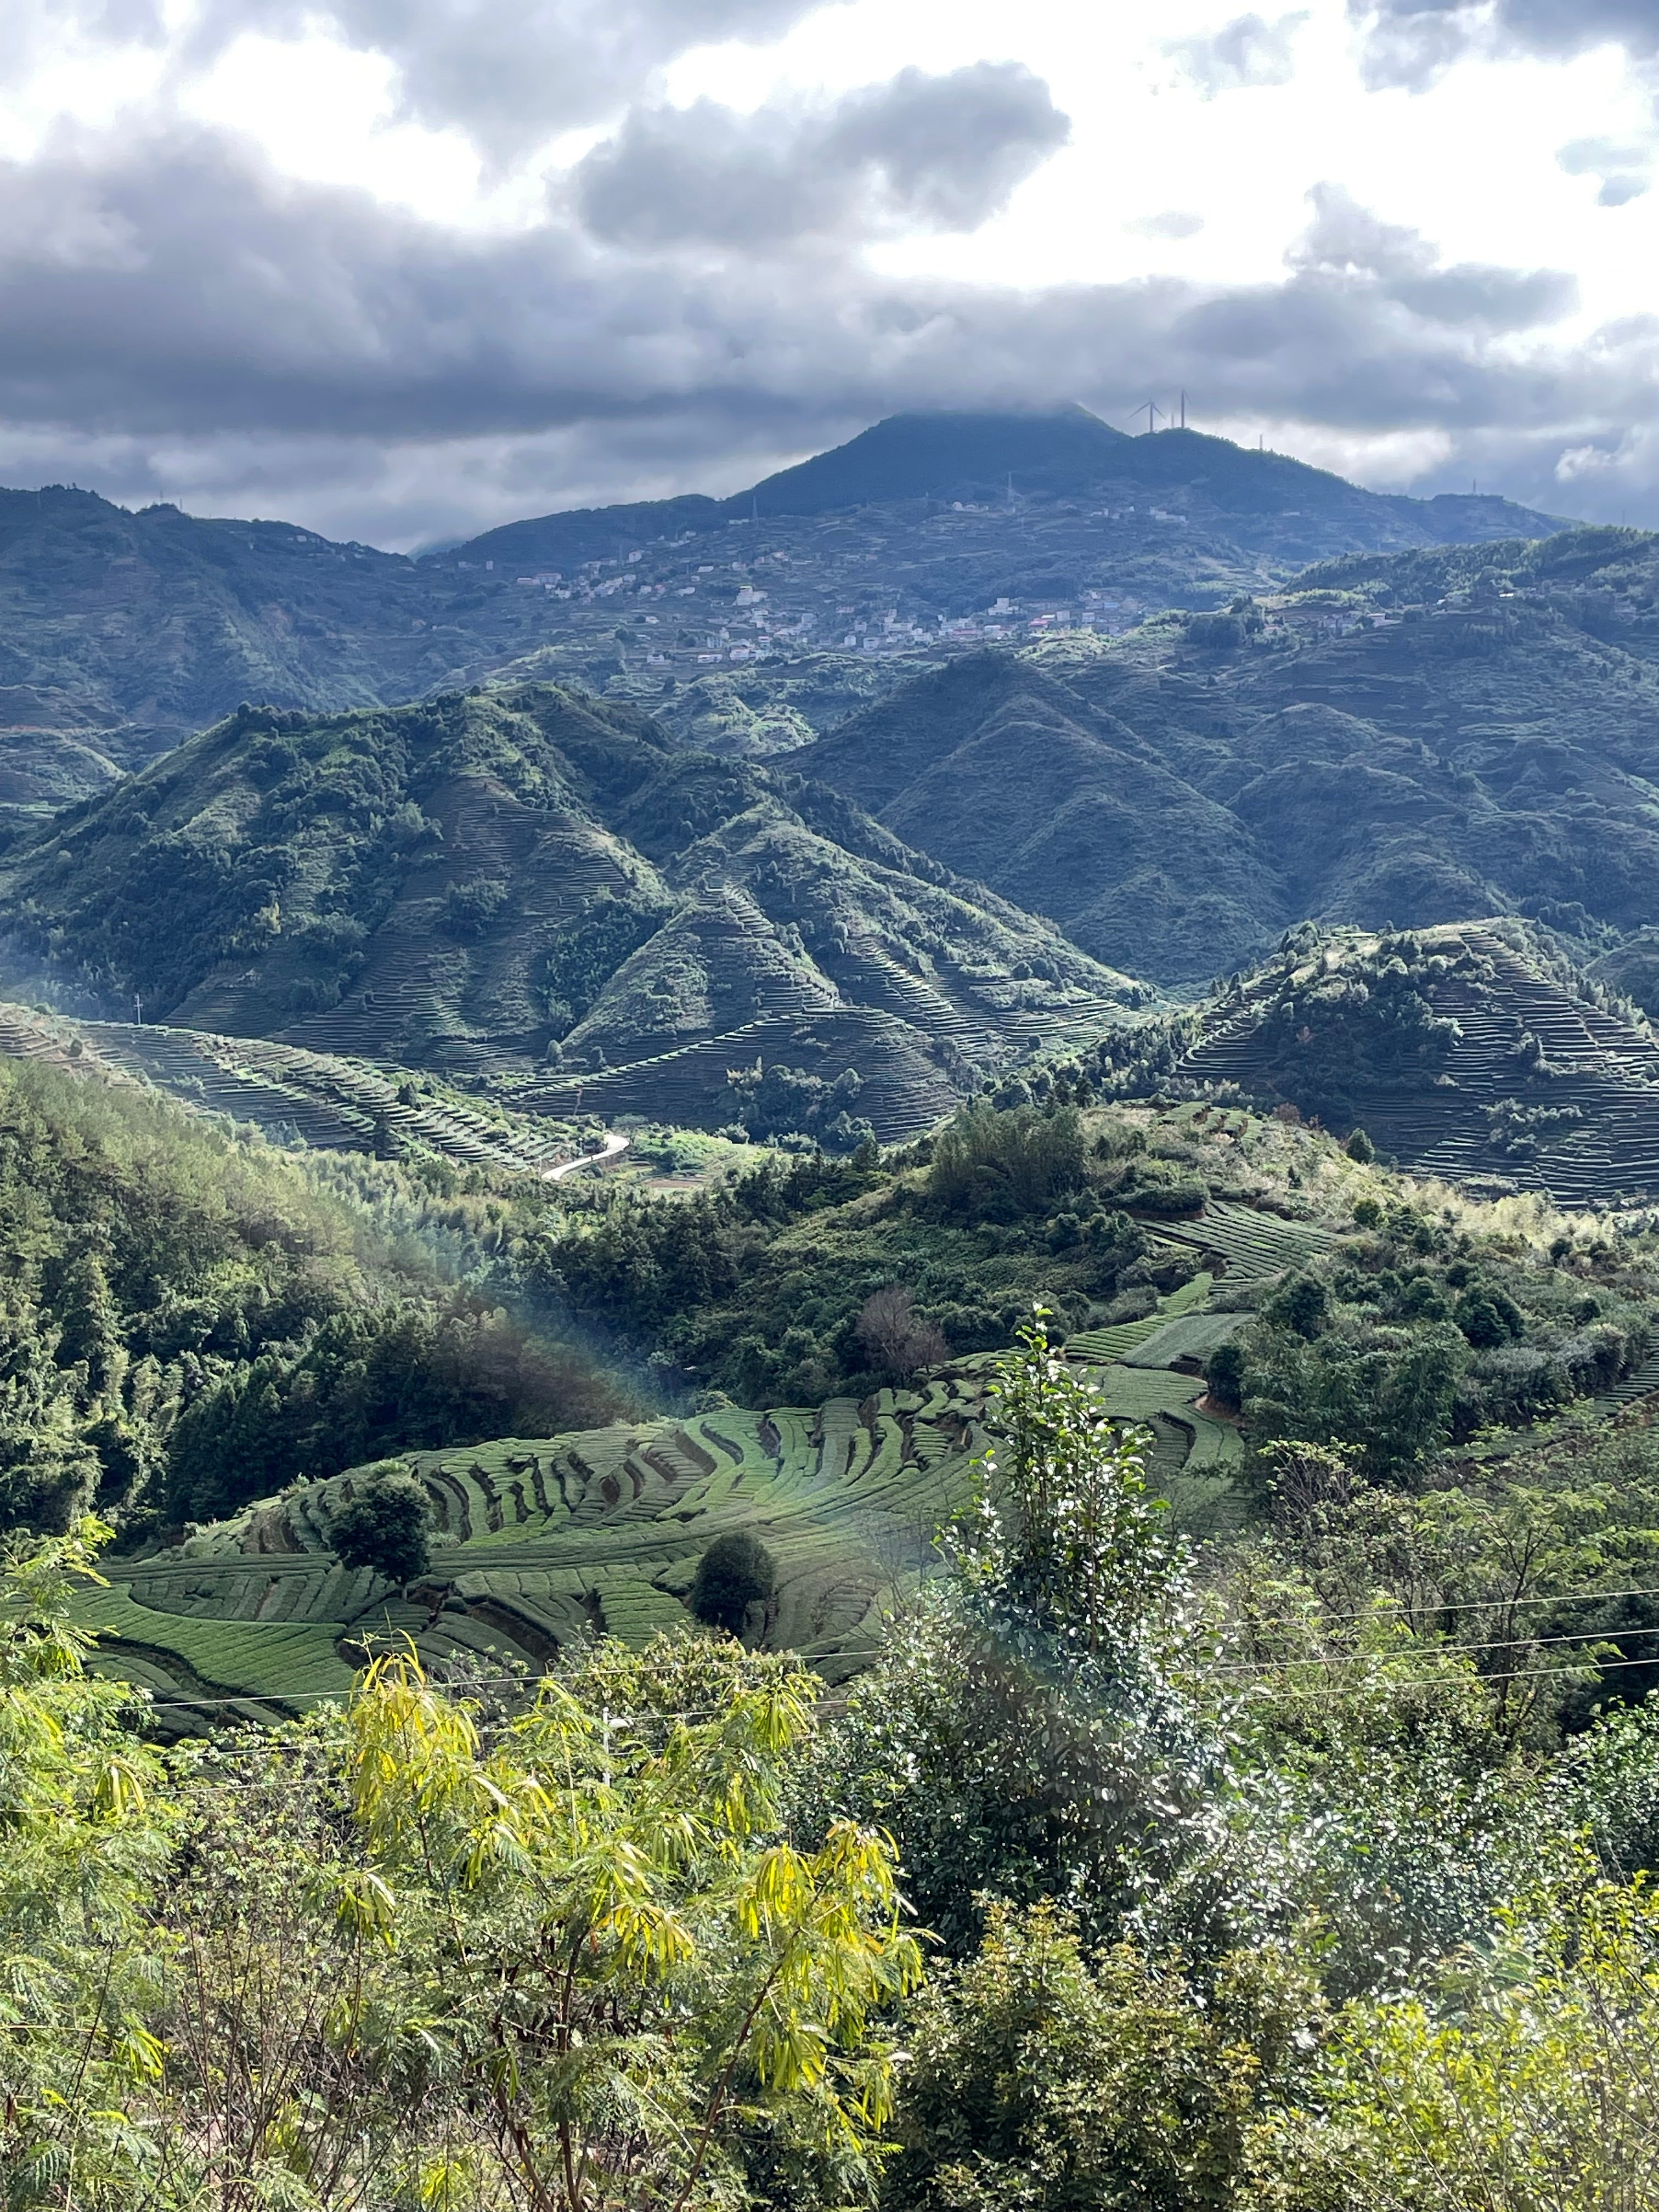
(613, 1144)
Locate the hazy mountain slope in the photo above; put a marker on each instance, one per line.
(143, 627)
(545, 891)
(1063, 453)
(1176, 797)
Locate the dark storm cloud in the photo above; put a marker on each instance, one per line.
(936, 152)
(1246, 52)
(1411, 42)
(191, 317)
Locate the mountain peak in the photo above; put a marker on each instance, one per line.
(944, 454)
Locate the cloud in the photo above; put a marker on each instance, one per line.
(509, 73)
(1625, 166)
(1346, 242)
(1414, 42)
(939, 152)
(1249, 51)
(1174, 222)
(177, 321)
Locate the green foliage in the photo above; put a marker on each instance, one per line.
(735, 1571)
(189, 1320)
(1027, 1734)
(603, 1924)
(581, 959)
(423, 1956)
(1526, 2077)
(785, 1284)
(1408, 1338)
(385, 1525)
(992, 1166)
(1325, 1036)
(1043, 2076)
(409, 1376)
(776, 1102)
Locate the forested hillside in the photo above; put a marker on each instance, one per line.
(1295, 1838)
(160, 1273)
(545, 892)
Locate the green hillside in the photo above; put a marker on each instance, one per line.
(1467, 1052)
(543, 894)
(1252, 1272)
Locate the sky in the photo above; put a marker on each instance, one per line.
(399, 270)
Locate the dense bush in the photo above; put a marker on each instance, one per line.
(735, 1571)
(1005, 1167)
(385, 1525)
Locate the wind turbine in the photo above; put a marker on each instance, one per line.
(1151, 410)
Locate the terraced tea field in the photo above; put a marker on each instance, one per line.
(1598, 1088)
(293, 1095)
(543, 1542)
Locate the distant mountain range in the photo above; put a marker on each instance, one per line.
(1064, 454)
(122, 632)
(827, 887)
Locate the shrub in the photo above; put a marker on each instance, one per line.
(1302, 1304)
(1225, 1376)
(735, 1573)
(1487, 1318)
(1046, 2078)
(385, 1525)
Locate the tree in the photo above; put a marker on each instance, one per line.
(895, 1338)
(1029, 1732)
(87, 1836)
(1359, 1148)
(992, 1166)
(386, 1526)
(632, 1978)
(736, 1571)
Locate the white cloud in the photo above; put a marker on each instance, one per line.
(1249, 51)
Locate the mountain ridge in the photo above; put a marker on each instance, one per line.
(122, 632)
(543, 893)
